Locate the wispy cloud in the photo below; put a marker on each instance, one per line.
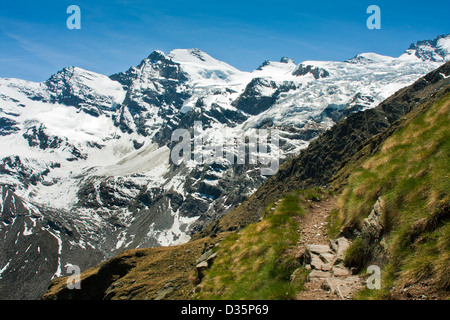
(36, 49)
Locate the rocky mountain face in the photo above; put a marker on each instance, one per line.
(86, 167)
(434, 50)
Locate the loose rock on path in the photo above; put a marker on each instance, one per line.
(329, 278)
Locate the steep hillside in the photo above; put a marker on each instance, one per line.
(394, 205)
(255, 263)
(331, 160)
(397, 206)
(264, 260)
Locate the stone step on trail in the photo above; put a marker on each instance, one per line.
(328, 271)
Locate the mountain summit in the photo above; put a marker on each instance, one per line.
(435, 50)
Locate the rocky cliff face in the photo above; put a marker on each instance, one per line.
(94, 152)
(33, 242)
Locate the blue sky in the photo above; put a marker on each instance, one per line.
(116, 34)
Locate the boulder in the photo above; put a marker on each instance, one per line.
(316, 262)
(318, 274)
(204, 256)
(319, 248)
(343, 288)
(340, 271)
(340, 246)
(161, 294)
(328, 257)
(373, 224)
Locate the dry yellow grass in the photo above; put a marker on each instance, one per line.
(147, 272)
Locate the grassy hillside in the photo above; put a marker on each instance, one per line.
(257, 263)
(409, 175)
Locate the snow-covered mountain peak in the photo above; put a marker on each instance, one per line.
(286, 60)
(157, 55)
(196, 56)
(436, 50)
(77, 75)
(200, 65)
(77, 87)
(370, 57)
(191, 55)
(274, 69)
